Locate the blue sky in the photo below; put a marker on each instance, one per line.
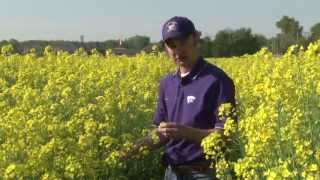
(105, 19)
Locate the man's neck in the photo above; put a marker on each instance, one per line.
(188, 69)
(184, 70)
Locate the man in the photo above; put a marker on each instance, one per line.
(188, 103)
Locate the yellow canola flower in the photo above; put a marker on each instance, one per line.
(10, 171)
(229, 127)
(213, 145)
(313, 167)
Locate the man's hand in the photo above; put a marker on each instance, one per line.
(173, 130)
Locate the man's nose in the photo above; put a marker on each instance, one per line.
(178, 51)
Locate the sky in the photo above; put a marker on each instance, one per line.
(100, 20)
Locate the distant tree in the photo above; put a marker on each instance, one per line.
(206, 47)
(222, 43)
(261, 40)
(137, 42)
(289, 26)
(237, 42)
(291, 33)
(315, 32)
(109, 44)
(274, 45)
(3, 43)
(244, 42)
(16, 45)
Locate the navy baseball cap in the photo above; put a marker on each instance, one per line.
(177, 27)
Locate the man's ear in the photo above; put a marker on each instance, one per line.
(165, 48)
(195, 42)
(196, 38)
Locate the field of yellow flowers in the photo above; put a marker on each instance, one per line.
(67, 116)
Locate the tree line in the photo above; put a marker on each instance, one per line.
(242, 41)
(226, 43)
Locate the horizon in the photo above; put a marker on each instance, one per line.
(99, 20)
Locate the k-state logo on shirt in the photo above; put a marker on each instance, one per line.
(190, 99)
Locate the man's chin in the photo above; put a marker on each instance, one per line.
(181, 61)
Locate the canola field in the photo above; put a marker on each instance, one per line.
(67, 116)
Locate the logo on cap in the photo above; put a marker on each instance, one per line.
(172, 26)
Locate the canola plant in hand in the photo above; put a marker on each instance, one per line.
(69, 116)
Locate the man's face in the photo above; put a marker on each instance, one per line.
(182, 51)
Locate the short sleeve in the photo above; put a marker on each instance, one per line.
(226, 95)
(161, 112)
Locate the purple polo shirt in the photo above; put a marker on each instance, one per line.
(192, 100)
